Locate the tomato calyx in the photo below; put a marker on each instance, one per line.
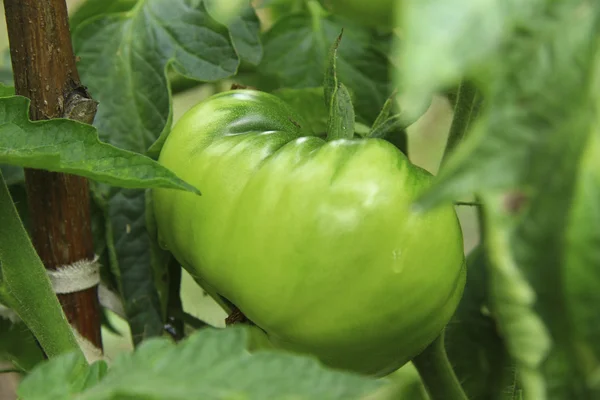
(337, 100)
(389, 125)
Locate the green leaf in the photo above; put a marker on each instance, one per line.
(61, 378)
(519, 130)
(95, 374)
(444, 40)
(523, 156)
(18, 193)
(124, 59)
(549, 239)
(308, 103)
(512, 300)
(93, 8)
(214, 364)
(209, 364)
(130, 255)
(474, 345)
(68, 146)
(243, 25)
(582, 258)
(18, 345)
(296, 52)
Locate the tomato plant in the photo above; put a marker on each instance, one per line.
(308, 199)
(313, 240)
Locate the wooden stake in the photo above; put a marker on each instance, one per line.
(44, 71)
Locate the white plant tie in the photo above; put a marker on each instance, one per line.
(89, 350)
(75, 277)
(80, 275)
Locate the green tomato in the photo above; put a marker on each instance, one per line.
(373, 13)
(316, 242)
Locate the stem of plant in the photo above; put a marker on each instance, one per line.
(24, 284)
(437, 374)
(174, 304)
(467, 103)
(45, 71)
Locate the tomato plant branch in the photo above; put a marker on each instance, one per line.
(44, 71)
(175, 323)
(24, 284)
(465, 109)
(189, 320)
(437, 374)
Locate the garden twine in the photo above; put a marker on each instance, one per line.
(75, 277)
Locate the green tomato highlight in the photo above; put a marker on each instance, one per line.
(372, 13)
(316, 242)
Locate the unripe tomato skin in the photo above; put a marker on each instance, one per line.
(315, 242)
(372, 13)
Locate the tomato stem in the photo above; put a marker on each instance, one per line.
(24, 284)
(437, 373)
